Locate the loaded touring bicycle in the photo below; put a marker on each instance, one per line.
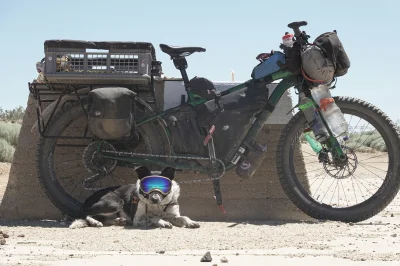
(97, 115)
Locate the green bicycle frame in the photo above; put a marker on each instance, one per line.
(288, 80)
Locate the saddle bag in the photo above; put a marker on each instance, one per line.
(201, 87)
(111, 112)
(232, 115)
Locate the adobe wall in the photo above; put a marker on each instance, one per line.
(256, 199)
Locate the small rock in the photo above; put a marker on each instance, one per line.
(21, 235)
(362, 259)
(116, 241)
(207, 257)
(224, 260)
(351, 224)
(394, 235)
(237, 254)
(215, 264)
(71, 255)
(161, 252)
(2, 240)
(6, 235)
(392, 215)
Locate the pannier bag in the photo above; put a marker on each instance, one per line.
(232, 118)
(111, 112)
(326, 58)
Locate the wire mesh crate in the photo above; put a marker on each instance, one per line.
(71, 61)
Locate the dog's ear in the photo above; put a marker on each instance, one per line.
(169, 172)
(143, 171)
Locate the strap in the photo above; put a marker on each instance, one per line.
(134, 204)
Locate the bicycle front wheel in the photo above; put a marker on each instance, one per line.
(352, 190)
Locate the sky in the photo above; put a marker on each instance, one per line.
(233, 33)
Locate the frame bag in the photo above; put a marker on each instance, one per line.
(232, 115)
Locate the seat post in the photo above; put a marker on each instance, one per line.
(181, 64)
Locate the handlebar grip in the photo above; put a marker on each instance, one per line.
(296, 25)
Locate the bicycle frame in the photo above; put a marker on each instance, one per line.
(288, 80)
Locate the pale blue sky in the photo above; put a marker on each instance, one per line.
(233, 33)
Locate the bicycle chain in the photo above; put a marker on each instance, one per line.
(132, 154)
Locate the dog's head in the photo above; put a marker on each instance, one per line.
(157, 187)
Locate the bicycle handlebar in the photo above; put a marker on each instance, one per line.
(295, 26)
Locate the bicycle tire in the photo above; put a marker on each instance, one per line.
(362, 211)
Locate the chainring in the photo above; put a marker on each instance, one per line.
(93, 159)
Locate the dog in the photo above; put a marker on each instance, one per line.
(131, 204)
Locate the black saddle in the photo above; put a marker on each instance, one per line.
(177, 51)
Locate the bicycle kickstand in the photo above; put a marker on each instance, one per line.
(213, 162)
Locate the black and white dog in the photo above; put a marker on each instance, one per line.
(152, 201)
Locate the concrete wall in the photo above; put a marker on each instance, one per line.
(258, 198)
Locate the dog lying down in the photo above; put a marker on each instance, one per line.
(152, 201)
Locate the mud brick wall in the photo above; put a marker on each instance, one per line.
(259, 198)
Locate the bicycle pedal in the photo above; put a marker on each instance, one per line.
(209, 135)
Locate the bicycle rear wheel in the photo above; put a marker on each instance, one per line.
(63, 164)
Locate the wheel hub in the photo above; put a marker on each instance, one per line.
(341, 168)
(94, 161)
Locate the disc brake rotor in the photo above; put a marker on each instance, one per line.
(341, 168)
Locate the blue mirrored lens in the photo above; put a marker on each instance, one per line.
(149, 183)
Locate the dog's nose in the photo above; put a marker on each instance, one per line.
(154, 199)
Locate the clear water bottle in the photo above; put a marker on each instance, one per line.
(307, 106)
(330, 111)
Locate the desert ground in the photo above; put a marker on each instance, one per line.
(372, 242)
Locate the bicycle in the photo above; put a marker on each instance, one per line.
(206, 150)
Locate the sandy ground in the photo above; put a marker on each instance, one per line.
(372, 242)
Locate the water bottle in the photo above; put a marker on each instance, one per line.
(307, 106)
(315, 145)
(287, 39)
(249, 163)
(330, 111)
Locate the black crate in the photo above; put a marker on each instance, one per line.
(72, 61)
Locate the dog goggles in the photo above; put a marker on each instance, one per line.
(155, 182)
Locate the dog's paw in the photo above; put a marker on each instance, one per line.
(96, 224)
(193, 224)
(120, 221)
(164, 224)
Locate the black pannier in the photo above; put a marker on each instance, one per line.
(232, 118)
(111, 112)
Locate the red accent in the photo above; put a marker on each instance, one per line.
(310, 79)
(325, 102)
(222, 209)
(207, 139)
(263, 56)
(287, 36)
